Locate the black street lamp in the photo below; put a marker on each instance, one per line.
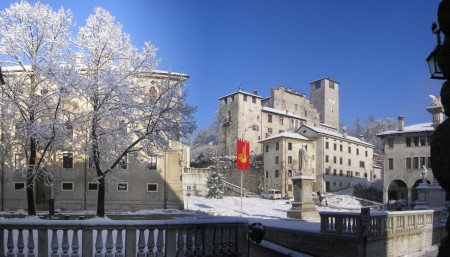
(433, 64)
(433, 59)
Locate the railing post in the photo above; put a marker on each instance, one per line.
(171, 244)
(241, 245)
(339, 224)
(2, 242)
(42, 242)
(208, 241)
(130, 242)
(323, 222)
(86, 238)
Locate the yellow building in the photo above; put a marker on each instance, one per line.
(136, 183)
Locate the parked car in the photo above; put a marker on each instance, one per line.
(271, 194)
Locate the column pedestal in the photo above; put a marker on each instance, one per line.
(302, 206)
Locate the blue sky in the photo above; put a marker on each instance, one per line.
(375, 49)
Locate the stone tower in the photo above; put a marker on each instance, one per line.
(325, 97)
(240, 117)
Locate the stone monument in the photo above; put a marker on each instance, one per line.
(422, 190)
(302, 206)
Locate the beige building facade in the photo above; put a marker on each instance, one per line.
(137, 183)
(281, 160)
(254, 118)
(407, 151)
(341, 160)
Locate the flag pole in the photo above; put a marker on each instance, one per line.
(241, 189)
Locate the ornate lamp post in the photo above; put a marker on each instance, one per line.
(439, 61)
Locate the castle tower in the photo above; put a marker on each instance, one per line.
(240, 116)
(325, 97)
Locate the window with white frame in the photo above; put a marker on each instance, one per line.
(92, 186)
(152, 163)
(152, 187)
(19, 186)
(122, 187)
(67, 186)
(67, 161)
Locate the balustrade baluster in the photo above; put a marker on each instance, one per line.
(189, 242)
(160, 243)
(198, 242)
(217, 241)
(151, 242)
(75, 245)
(20, 244)
(2, 242)
(109, 244)
(224, 241)
(141, 244)
(119, 243)
(65, 244)
(180, 243)
(99, 244)
(233, 238)
(10, 244)
(30, 243)
(54, 245)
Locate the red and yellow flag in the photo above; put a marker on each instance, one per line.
(242, 154)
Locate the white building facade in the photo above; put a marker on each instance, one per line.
(407, 154)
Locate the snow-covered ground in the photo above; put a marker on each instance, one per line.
(267, 212)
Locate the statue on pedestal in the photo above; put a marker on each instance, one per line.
(303, 206)
(424, 174)
(302, 160)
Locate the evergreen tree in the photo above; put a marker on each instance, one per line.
(215, 185)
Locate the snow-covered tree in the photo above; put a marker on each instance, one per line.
(372, 128)
(124, 113)
(204, 146)
(215, 185)
(33, 44)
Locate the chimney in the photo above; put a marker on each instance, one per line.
(400, 123)
(361, 137)
(255, 92)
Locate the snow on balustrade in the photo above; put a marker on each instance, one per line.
(105, 237)
(381, 223)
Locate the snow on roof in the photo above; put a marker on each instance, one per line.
(242, 92)
(337, 135)
(16, 68)
(155, 72)
(415, 128)
(287, 134)
(328, 126)
(169, 72)
(285, 113)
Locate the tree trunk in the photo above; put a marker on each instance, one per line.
(101, 198)
(30, 178)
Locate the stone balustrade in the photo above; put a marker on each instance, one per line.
(103, 237)
(381, 223)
